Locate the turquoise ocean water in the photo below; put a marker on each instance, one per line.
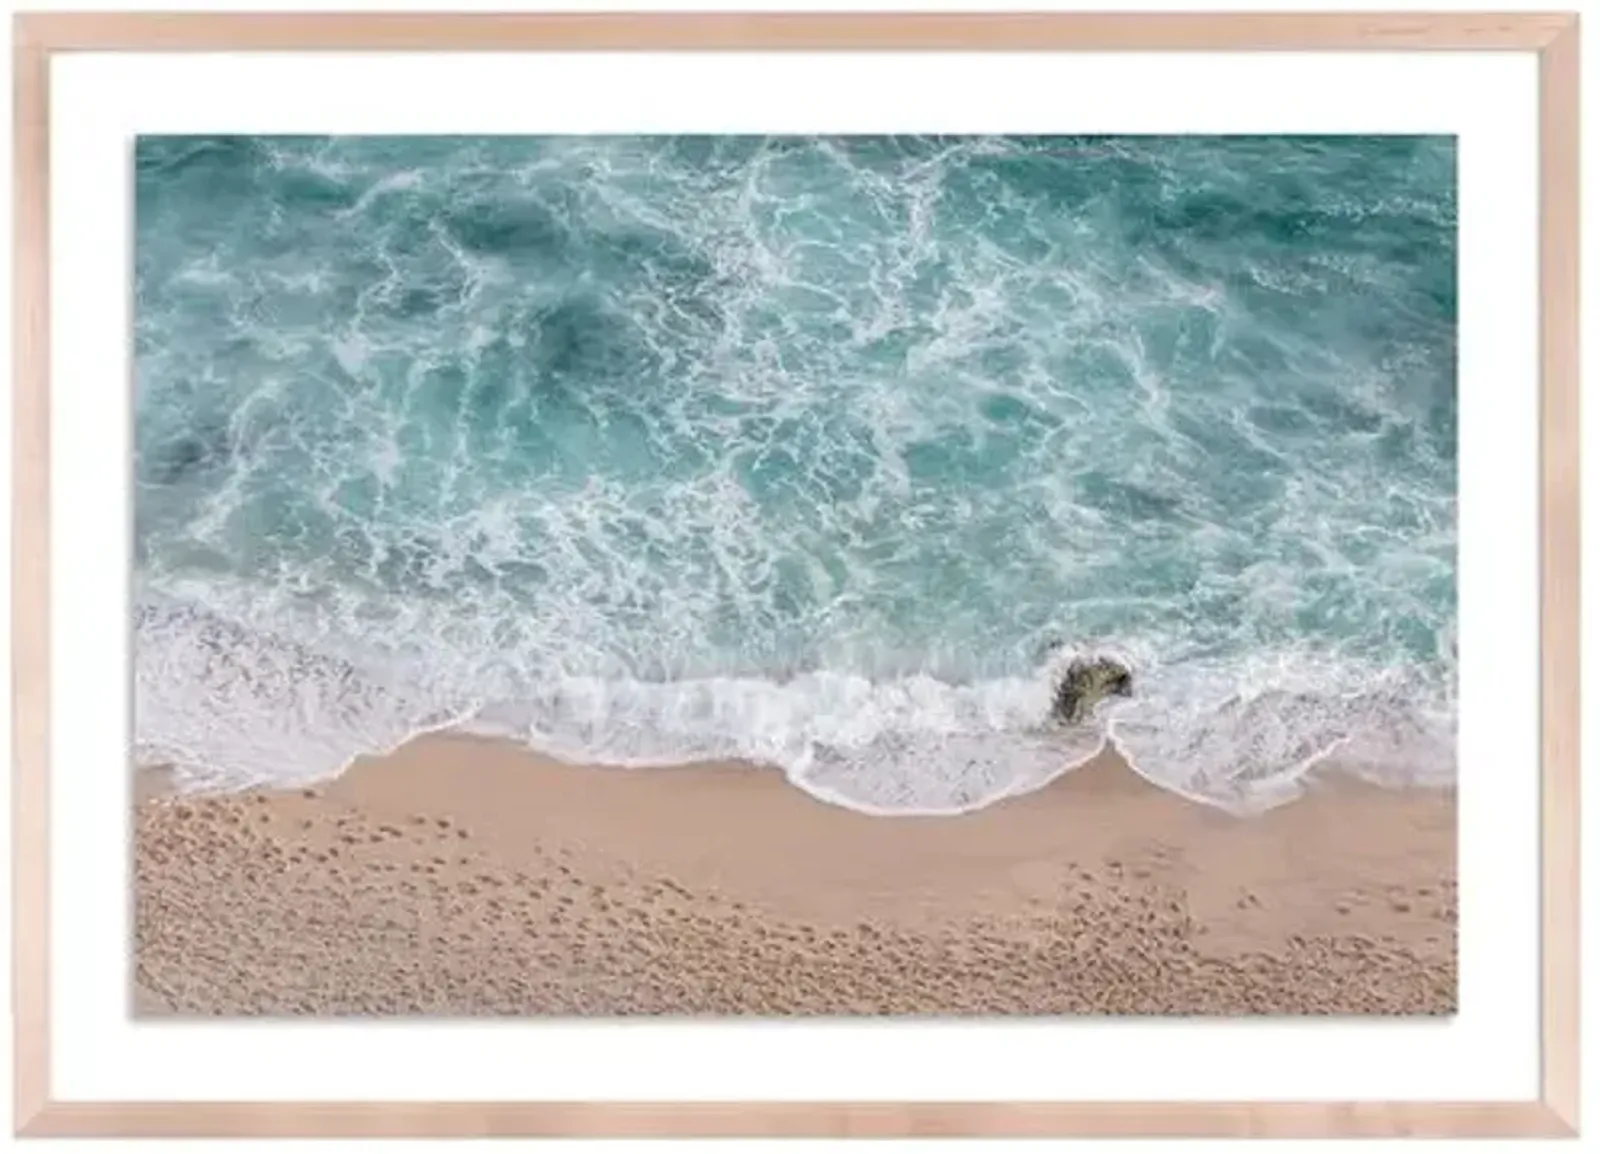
(800, 450)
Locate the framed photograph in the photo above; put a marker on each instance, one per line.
(796, 575)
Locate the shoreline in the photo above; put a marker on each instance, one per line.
(466, 875)
(272, 705)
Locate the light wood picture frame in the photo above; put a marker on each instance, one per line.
(1553, 37)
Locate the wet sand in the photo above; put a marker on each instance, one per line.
(462, 876)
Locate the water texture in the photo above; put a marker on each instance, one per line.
(822, 452)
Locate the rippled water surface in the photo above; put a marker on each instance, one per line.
(800, 450)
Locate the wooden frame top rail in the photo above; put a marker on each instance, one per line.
(786, 31)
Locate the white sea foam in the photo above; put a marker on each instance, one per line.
(230, 708)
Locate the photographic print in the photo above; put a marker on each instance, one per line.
(851, 575)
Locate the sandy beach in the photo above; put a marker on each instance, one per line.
(463, 876)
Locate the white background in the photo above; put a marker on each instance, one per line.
(1129, 1059)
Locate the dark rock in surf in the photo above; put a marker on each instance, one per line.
(1086, 682)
